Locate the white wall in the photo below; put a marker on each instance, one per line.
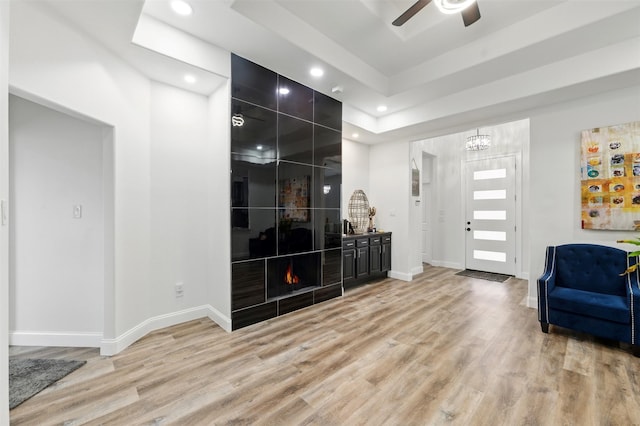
(554, 208)
(179, 215)
(390, 192)
(355, 171)
(219, 260)
(4, 229)
(57, 261)
(65, 68)
(57, 66)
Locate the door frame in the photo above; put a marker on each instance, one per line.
(109, 208)
(518, 208)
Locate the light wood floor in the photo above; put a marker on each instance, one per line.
(442, 349)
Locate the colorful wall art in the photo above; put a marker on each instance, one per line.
(610, 181)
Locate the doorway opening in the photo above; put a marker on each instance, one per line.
(61, 234)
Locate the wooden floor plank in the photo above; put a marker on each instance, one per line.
(441, 349)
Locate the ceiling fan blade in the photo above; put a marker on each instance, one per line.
(408, 14)
(471, 14)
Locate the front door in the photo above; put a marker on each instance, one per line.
(490, 215)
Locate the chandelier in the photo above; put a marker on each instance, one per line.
(478, 142)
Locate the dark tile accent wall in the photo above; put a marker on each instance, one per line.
(254, 314)
(286, 138)
(325, 293)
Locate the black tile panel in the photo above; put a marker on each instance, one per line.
(327, 147)
(331, 261)
(327, 111)
(325, 293)
(257, 136)
(295, 139)
(327, 184)
(294, 303)
(247, 284)
(253, 83)
(257, 240)
(295, 99)
(253, 315)
(327, 229)
(253, 181)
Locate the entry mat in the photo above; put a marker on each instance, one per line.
(489, 276)
(27, 377)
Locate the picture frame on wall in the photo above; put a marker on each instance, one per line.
(415, 182)
(610, 177)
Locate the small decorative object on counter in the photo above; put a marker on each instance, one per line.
(372, 213)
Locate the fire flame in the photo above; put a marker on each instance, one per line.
(289, 277)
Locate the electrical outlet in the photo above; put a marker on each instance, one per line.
(179, 290)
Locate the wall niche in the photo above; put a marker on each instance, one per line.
(286, 178)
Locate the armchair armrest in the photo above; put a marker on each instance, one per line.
(546, 283)
(633, 291)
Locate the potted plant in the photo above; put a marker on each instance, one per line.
(636, 242)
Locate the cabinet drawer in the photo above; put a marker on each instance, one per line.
(386, 239)
(362, 242)
(375, 241)
(348, 244)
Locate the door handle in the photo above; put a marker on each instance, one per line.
(468, 229)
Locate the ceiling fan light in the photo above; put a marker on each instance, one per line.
(453, 6)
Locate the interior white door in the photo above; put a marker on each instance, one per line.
(427, 254)
(490, 215)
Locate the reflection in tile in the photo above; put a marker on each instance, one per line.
(295, 232)
(256, 137)
(327, 228)
(253, 182)
(327, 111)
(295, 99)
(258, 239)
(327, 147)
(253, 83)
(326, 188)
(295, 140)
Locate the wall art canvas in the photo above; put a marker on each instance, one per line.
(610, 177)
(295, 197)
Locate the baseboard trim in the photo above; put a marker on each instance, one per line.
(445, 264)
(416, 271)
(532, 302)
(55, 339)
(110, 347)
(399, 275)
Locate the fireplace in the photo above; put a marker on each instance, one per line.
(292, 274)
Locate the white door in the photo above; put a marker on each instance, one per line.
(490, 215)
(427, 254)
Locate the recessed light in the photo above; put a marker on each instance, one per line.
(316, 72)
(355, 135)
(381, 108)
(181, 7)
(259, 147)
(284, 90)
(189, 79)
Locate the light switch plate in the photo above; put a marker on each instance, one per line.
(77, 211)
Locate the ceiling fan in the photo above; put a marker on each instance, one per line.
(467, 8)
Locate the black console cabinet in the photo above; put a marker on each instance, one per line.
(365, 257)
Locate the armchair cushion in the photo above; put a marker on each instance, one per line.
(604, 306)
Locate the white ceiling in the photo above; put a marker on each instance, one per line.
(432, 73)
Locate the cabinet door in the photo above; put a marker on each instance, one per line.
(362, 262)
(375, 258)
(385, 257)
(348, 265)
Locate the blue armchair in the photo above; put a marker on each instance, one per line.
(581, 289)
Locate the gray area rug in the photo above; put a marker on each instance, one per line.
(489, 276)
(27, 376)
